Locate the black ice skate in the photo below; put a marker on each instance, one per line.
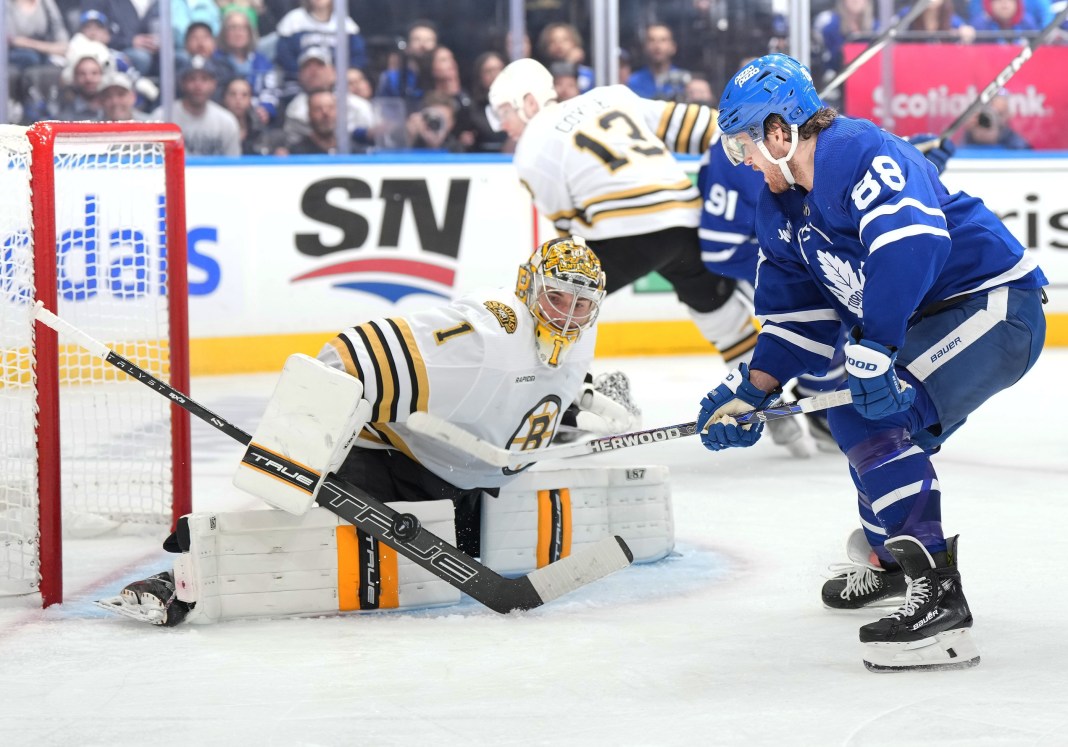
(930, 630)
(151, 600)
(862, 582)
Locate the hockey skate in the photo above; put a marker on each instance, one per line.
(151, 600)
(821, 433)
(787, 432)
(930, 630)
(862, 582)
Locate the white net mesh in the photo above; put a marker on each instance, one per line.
(115, 461)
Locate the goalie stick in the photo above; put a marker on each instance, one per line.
(442, 430)
(399, 531)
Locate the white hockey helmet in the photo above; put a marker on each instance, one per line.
(519, 78)
(562, 284)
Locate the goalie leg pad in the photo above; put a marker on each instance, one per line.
(311, 420)
(544, 515)
(274, 564)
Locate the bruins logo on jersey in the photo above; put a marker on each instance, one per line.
(504, 313)
(535, 430)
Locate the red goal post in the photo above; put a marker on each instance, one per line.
(92, 224)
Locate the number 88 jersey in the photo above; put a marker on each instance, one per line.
(601, 166)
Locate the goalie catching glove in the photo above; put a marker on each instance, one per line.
(604, 407)
(734, 396)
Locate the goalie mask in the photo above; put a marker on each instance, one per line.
(562, 285)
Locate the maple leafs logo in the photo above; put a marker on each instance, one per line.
(846, 285)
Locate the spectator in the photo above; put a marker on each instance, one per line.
(317, 73)
(36, 33)
(321, 137)
(134, 29)
(660, 78)
(851, 20)
(432, 128)
(415, 61)
(208, 128)
(256, 138)
(1005, 16)
(1041, 11)
(990, 127)
(185, 13)
(312, 25)
(565, 80)
(80, 97)
(561, 42)
(488, 66)
(699, 91)
(445, 79)
(359, 84)
(940, 17)
(118, 99)
(236, 56)
(199, 41)
(525, 46)
(625, 68)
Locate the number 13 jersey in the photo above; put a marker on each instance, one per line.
(601, 166)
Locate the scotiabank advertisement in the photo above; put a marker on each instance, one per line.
(1035, 98)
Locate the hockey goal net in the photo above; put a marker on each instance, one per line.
(92, 224)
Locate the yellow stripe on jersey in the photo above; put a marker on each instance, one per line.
(395, 441)
(624, 212)
(689, 119)
(420, 382)
(382, 357)
(665, 120)
(641, 191)
(567, 214)
(345, 355)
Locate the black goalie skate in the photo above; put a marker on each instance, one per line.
(861, 582)
(151, 600)
(930, 630)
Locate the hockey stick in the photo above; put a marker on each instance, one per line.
(876, 45)
(999, 81)
(401, 532)
(442, 430)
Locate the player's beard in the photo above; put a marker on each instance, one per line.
(775, 179)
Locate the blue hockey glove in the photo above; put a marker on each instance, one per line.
(939, 153)
(734, 396)
(877, 392)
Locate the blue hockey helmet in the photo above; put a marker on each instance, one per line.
(772, 84)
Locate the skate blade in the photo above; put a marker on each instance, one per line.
(952, 649)
(888, 603)
(117, 606)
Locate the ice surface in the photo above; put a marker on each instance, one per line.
(725, 643)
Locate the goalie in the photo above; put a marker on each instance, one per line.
(504, 365)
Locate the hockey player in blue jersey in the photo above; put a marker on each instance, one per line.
(944, 308)
(729, 248)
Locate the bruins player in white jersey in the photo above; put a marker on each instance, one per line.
(503, 365)
(602, 165)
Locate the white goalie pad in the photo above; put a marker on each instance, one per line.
(311, 420)
(271, 563)
(544, 515)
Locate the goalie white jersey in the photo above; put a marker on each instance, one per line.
(601, 165)
(472, 362)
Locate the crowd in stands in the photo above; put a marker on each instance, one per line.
(259, 76)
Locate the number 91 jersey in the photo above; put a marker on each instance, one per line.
(472, 362)
(601, 166)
